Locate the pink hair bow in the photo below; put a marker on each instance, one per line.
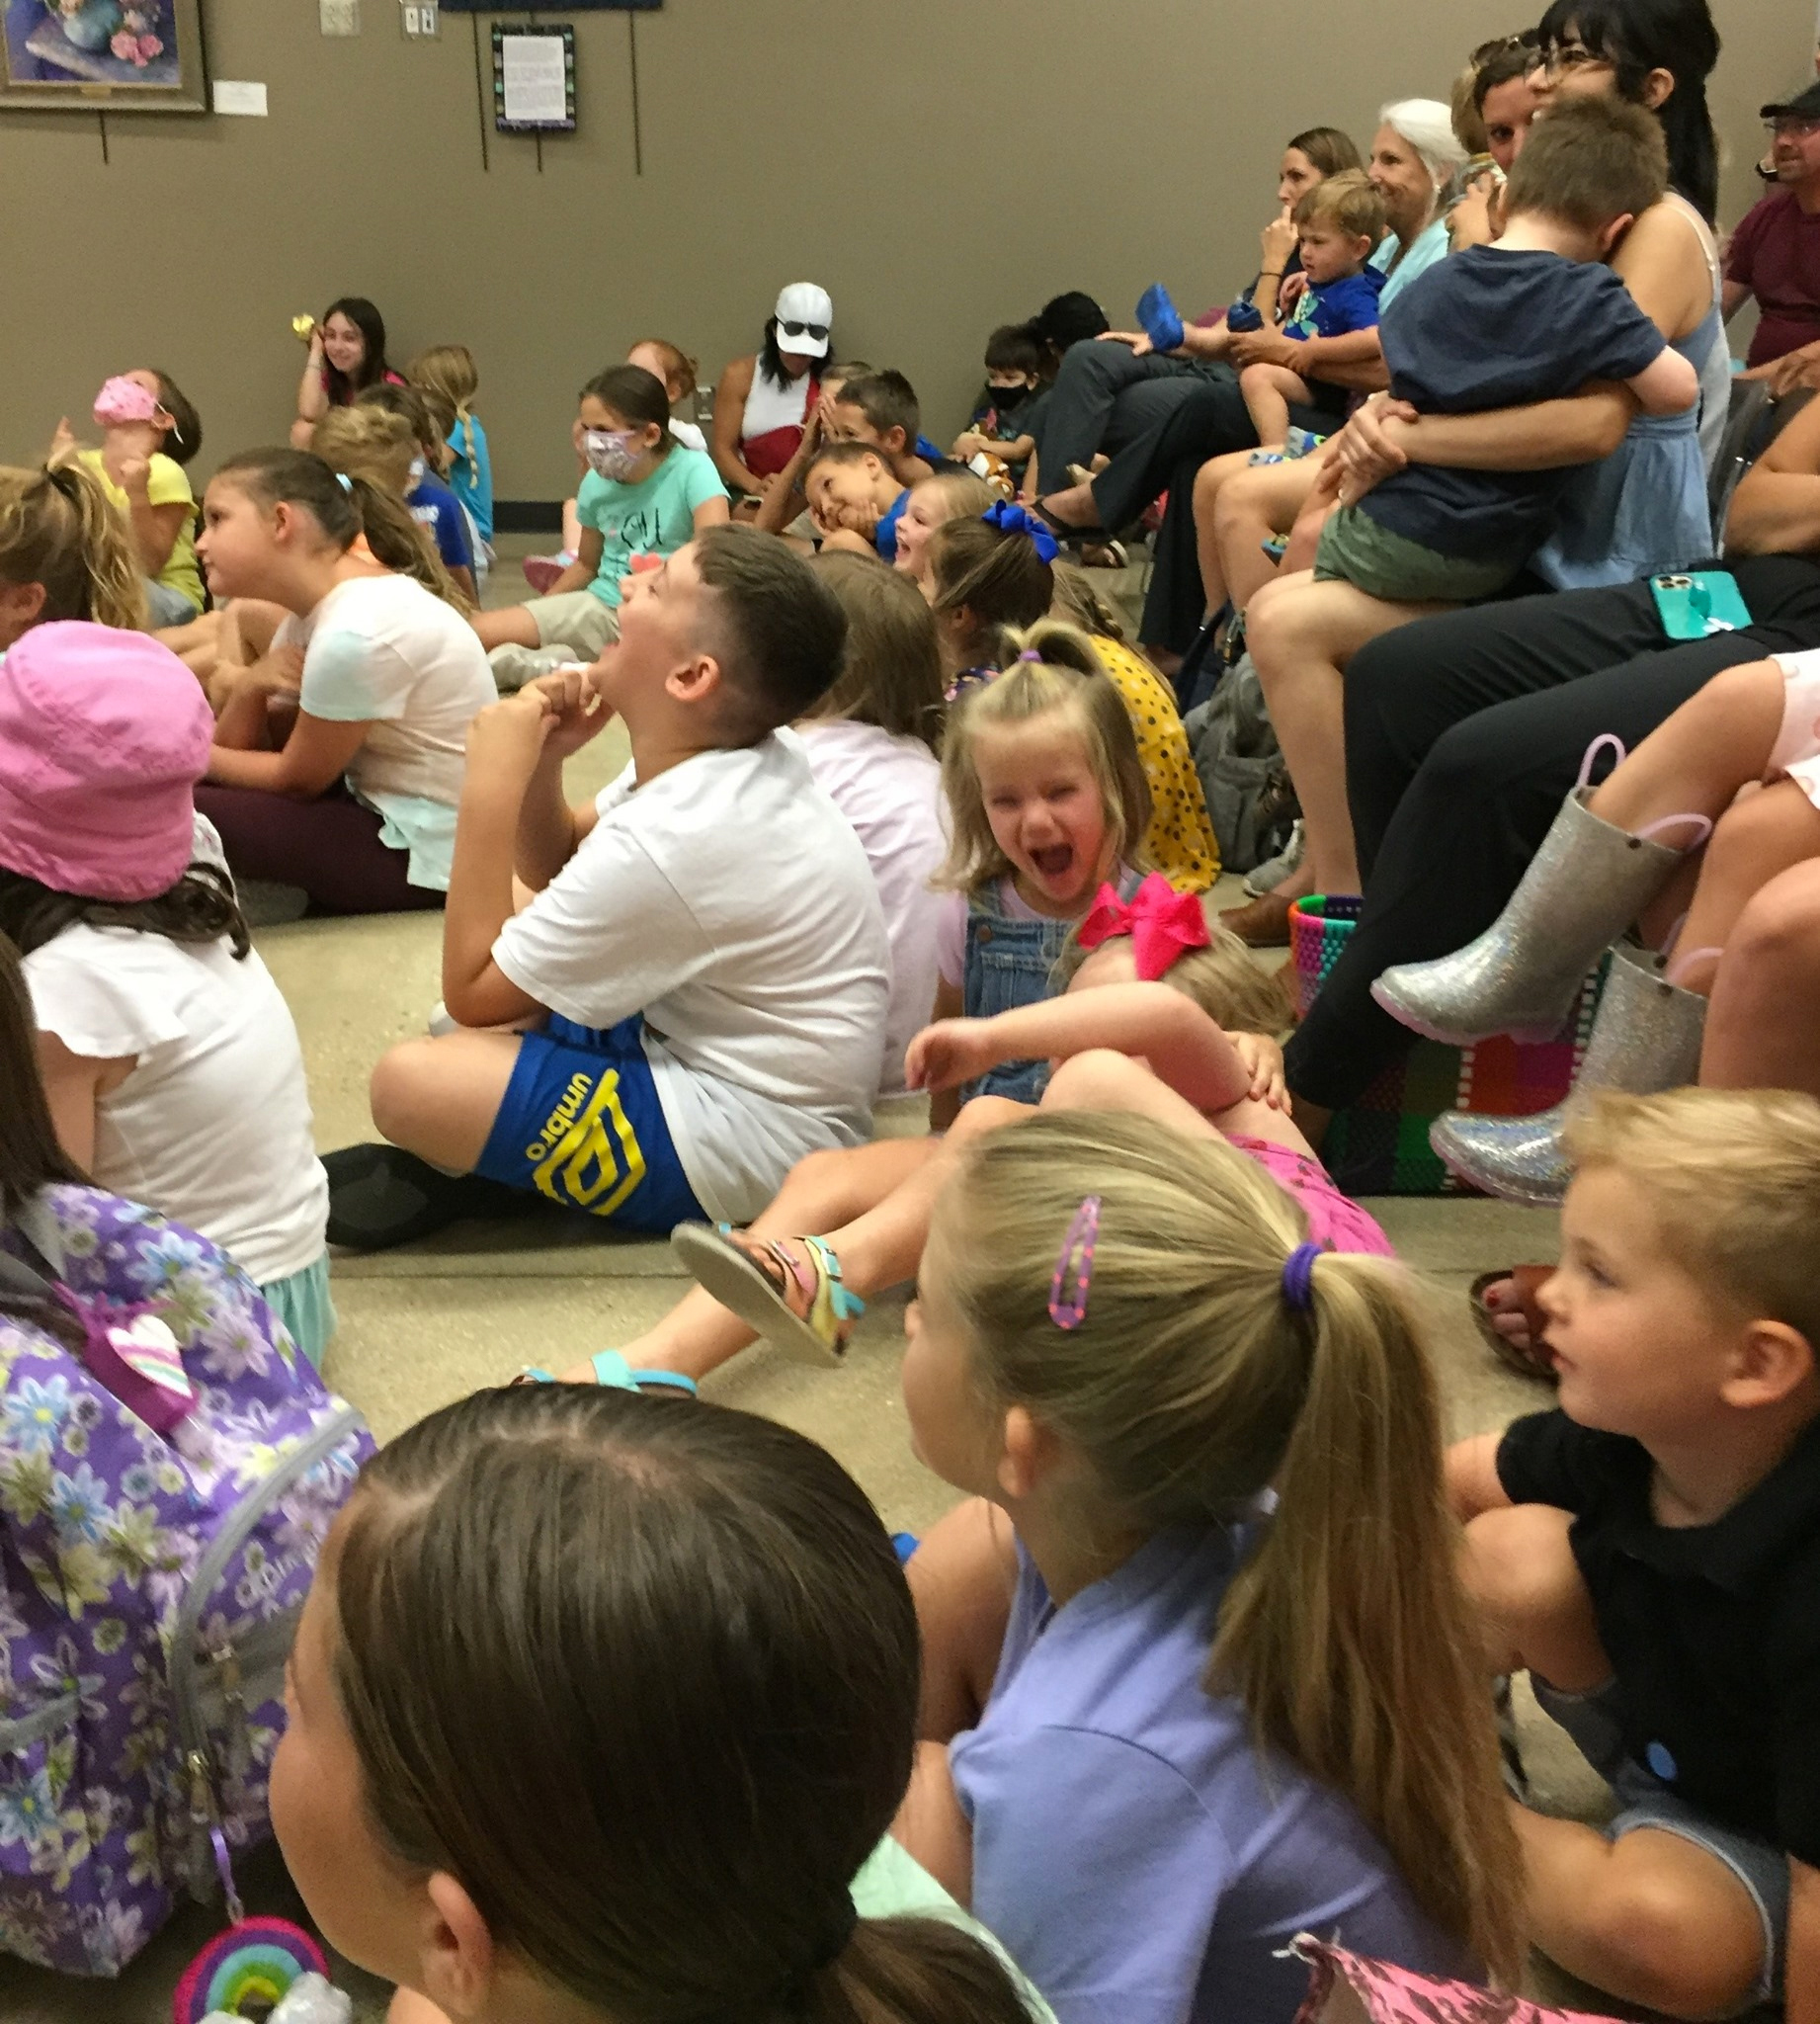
(1161, 922)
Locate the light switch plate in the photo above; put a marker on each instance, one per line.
(420, 18)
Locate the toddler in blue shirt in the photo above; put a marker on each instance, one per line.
(1338, 227)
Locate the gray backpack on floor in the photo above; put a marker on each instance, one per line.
(1241, 769)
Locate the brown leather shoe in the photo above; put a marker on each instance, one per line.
(1261, 923)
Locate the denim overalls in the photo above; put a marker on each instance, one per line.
(1010, 964)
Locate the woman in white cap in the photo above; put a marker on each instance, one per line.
(764, 399)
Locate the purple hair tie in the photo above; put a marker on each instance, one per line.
(1298, 1278)
(1068, 1308)
(1029, 654)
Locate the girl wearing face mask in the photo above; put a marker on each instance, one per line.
(644, 494)
(148, 433)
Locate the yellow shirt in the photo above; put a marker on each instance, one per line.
(1180, 841)
(167, 485)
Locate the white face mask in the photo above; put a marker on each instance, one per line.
(609, 453)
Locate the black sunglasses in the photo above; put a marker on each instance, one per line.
(1530, 38)
(817, 331)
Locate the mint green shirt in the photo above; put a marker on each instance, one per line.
(655, 517)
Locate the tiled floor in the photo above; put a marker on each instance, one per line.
(422, 1326)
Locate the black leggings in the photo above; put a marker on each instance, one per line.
(1463, 735)
(1209, 421)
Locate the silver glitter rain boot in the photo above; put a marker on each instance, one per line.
(1584, 888)
(1646, 1036)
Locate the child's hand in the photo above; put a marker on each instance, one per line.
(133, 477)
(574, 711)
(278, 672)
(1264, 348)
(948, 1052)
(970, 443)
(1261, 1059)
(1132, 337)
(508, 739)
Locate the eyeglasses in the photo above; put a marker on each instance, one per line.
(1560, 57)
(818, 331)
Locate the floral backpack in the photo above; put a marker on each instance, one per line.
(150, 1581)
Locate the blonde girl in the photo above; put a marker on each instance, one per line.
(872, 743)
(338, 755)
(381, 447)
(449, 371)
(934, 502)
(600, 1708)
(1199, 1672)
(65, 554)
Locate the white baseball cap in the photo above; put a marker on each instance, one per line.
(812, 310)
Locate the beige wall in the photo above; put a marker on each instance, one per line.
(938, 165)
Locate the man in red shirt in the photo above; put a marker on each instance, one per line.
(1775, 254)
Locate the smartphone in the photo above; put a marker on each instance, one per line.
(1701, 604)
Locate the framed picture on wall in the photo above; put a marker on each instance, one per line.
(102, 55)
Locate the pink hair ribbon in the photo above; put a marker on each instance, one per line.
(1162, 923)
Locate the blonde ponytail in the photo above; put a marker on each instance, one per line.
(1348, 1636)
(58, 528)
(1192, 1385)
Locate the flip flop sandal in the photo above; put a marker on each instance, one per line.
(802, 1307)
(610, 1369)
(1537, 1359)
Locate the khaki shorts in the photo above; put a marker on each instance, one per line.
(577, 619)
(1390, 566)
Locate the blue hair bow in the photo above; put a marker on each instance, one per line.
(1010, 518)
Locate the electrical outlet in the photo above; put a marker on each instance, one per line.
(420, 19)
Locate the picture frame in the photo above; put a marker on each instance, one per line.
(102, 57)
(550, 103)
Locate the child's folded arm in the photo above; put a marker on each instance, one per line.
(1183, 1045)
(1668, 385)
(1354, 360)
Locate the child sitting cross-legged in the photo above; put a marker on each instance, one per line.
(856, 499)
(1650, 1552)
(702, 969)
(1198, 1671)
(1532, 318)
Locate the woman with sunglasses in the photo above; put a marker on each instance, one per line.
(764, 400)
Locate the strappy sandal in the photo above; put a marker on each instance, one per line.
(1534, 1359)
(797, 1301)
(610, 1369)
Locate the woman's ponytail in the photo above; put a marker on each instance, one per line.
(1350, 1614)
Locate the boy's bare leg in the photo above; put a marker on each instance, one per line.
(1266, 391)
(1302, 634)
(438, 1098)
(698, 1335)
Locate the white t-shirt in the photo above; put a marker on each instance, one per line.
(890, 790)
(730, 902)
(212, 1127)
(385, 650)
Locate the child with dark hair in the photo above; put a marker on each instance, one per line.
(881, 409)
(148, 431)
(1009, 417)
(347, 353)
(701, 970)
(644, 494)
(854, 499)
(171, 1063)
(710, 1655)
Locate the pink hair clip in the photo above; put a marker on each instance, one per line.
(1069, 1309)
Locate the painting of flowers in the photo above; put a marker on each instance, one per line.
(139, 54)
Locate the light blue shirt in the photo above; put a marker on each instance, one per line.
(471, 475)
(1429, 245)
(1138, 1856)
(654, 517)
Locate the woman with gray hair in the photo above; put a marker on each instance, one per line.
(1414, 155)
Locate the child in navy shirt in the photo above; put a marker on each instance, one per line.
(1338, 227)
(434, 507)
(1533, 317)
(1650, 1552)
(854, 499)
(1009, 420)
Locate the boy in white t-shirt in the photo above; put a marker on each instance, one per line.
(702, 970)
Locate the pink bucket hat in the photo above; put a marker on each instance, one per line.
(103, 737)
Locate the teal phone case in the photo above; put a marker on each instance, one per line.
(1700, 604)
